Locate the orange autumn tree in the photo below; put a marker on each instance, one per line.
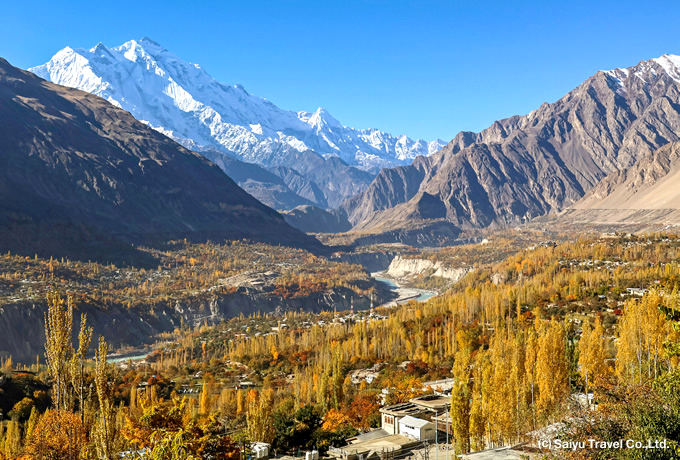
(166, 430)
(402, 388)
(58, 435)
(334, 420)
(362, 410)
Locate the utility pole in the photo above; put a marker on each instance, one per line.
(436, 436)
(447, 434)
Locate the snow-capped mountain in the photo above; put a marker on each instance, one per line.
(184, 102)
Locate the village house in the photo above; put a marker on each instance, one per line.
(391, 415)
(423, 407)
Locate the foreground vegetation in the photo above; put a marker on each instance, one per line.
(522, 338)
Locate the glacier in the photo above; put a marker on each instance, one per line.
(182, 101)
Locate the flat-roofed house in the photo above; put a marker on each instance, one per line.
(423, 407)
(392, 414)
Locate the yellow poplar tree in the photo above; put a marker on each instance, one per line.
(58, 347)
(105, 427)
(259, 416)
(552, 374)
(592, 354)
(460, 396)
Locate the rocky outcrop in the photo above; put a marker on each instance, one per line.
(653, 182)
(406, 267)
(643, 197)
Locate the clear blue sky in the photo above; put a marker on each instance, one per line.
(424, 68)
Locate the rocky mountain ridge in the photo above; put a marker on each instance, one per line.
(653, 182)
(527, 166)
(311, 219)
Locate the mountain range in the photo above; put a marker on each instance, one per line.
(527, 166)
(83, 178)
(519, 168)
(182, 101)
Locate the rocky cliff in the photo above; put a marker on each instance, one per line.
(23, 323)
(407, 267)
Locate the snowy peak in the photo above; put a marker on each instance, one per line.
(670, 64)
(148, 42)
(143, 48)
(183, 101)
(101, 50)
(322, 119)
(646, 71)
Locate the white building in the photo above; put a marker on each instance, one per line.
(360, 375)
(423, 407)
(416, 428)
(260, 450)
(638, 292)
(391, 415)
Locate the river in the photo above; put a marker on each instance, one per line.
(137, 354)
(405, 293)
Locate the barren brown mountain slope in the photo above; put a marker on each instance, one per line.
(82, 178)
(647, 194)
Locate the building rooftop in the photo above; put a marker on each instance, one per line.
(441, 386)
(443, 418)
(414, 422)
(371, 435)
(392, 443)
(432, 402)
(402, 409)
(505, 453)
